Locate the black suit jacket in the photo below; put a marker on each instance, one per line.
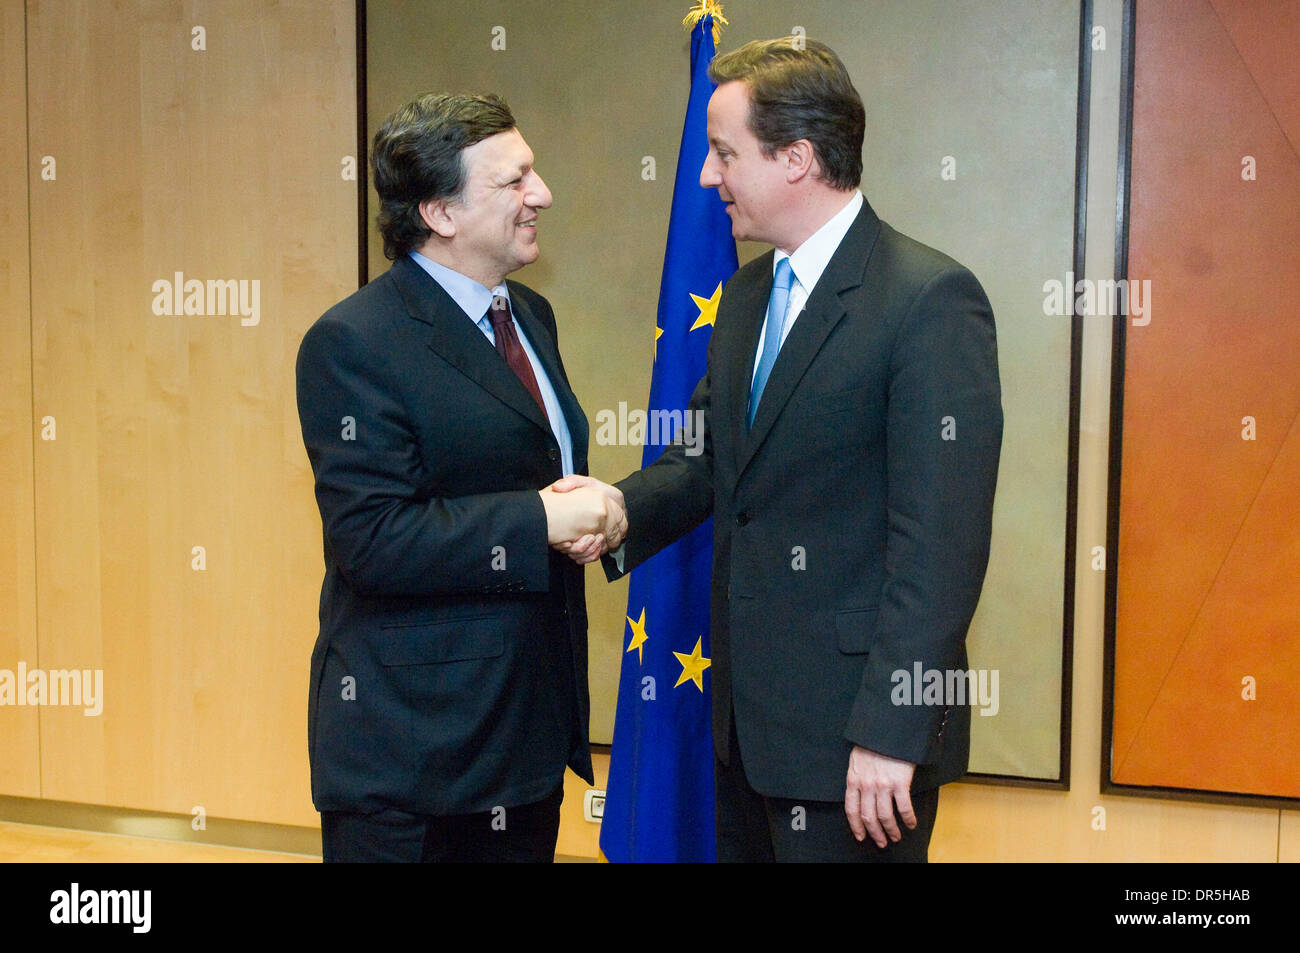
(850, 537)
(450, 674)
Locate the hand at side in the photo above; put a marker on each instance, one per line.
(875, 783)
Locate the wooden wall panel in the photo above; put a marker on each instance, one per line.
(19, 747)
(180, 431)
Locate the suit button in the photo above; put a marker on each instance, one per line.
(742, 518)
(553, 454)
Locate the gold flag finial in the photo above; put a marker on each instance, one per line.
(707, 8)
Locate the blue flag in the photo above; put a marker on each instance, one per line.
(659, 802)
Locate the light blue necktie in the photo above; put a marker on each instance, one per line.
(776, 308)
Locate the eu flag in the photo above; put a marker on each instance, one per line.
(659, 802)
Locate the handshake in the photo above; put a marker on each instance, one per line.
(585, 518)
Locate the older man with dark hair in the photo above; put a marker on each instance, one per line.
(853, 423)
(449, 680)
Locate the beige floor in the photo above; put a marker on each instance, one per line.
(31, 844)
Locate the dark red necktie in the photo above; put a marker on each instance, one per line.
(508, 346)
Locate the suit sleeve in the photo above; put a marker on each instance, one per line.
(385, 539)
(672, 496)
(944, 437)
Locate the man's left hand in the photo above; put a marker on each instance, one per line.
(875, 783)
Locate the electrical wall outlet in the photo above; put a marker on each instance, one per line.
(593, 805)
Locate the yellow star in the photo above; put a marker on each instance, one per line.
(693, 666)
(638, 634)
(708, 308)
(659, 332)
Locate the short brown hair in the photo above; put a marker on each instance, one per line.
(416, 156)
(799, 89)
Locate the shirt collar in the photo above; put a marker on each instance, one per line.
(811, 258)
(473, 298)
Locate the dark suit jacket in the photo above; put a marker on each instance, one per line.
(450, 675)
(850, 538)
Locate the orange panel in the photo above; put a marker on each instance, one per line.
(1209, 540)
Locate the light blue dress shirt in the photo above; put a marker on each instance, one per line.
(474, 300)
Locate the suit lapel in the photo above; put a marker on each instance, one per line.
(822, 312)
(459, 341)
(750, 308)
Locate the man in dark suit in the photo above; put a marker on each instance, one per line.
(853, 427)
(449, 680)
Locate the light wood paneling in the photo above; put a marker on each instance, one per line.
(983, 823)
(181, 431)
(580, 837)
(27, 844)
(19, 744)
(1288, 837)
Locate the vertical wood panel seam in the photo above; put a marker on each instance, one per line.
(31, 374)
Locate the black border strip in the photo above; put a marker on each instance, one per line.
(1118, 338)
(1083, 110)
(363, 153)
(1076, 384)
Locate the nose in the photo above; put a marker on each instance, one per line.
(539, 196)
(710, 176)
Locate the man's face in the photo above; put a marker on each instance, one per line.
(496, 216)
(749, 182)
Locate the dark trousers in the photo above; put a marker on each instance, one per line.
(752, 828)
(524, 834)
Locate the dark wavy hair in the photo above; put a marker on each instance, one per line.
(799, 89)
(416, 158)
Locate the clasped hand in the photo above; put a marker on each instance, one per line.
(585, 518)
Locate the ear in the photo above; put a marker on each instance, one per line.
(800, 161)
(434, 214)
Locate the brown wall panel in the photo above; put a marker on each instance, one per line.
(1209, 526)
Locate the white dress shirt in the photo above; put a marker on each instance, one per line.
(808, 262)
(474, 300)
